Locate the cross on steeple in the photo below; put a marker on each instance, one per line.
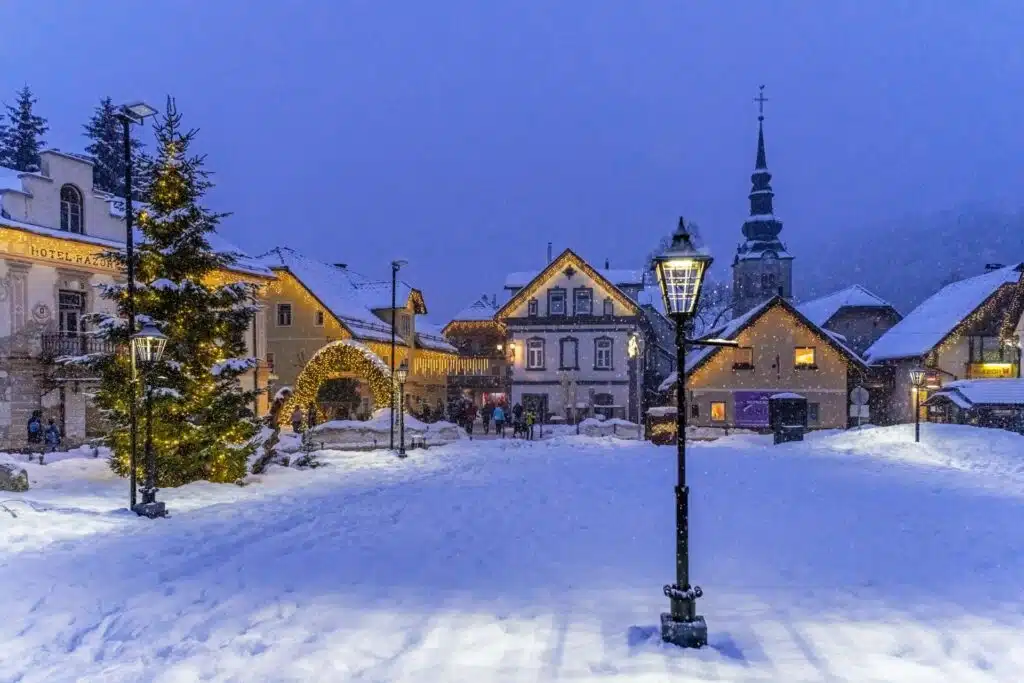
(760, 99)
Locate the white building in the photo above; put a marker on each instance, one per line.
(54, 229)
(569, 328)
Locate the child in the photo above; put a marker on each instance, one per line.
(531, 417)
(52, 436)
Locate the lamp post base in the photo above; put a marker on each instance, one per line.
(152, 510)
(693, 633)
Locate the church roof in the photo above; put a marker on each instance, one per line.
(939, 315)
(821, 310)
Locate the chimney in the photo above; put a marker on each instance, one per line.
(989, 267)
(549, 252)
(607, 264)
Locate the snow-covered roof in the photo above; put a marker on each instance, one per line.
(430, 336)
(483, 308)
(821, 310)
(335, 289)
(618, 277)
(928, 324)
(967, 393)
(651, 296)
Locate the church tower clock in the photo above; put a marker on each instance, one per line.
(762, 268)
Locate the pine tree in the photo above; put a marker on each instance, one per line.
(106, 132)
(19, 148)
(202, 418)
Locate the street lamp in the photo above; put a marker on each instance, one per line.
(681, 271)
(148, 347)
(129, 114)
(396, 265)
(402, 374)
(917, 376)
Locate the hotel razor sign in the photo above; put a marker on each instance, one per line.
(76, 256)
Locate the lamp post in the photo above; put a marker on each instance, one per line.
(129, 114)
(681, 271)
(402, 374)
(635, 351)
(396, 265)
(917, 380)
(148, 347)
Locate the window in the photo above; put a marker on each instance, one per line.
(991, 349)
(284, 315)
(743, 358)
(804, 357)
(568, 353)
(319, 320)
(718, 411)
(767, 281)
(404, 325)
(531, 308)
(71, 305)
(534, 354)
(603, 353)
(582, 301)
(270, 361)
(70, 209)
(812, 413)
(609, 307)
(556, 301)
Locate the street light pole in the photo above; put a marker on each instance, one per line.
(129, 114)
(401, 375)
(148, 346)
(917, 376)
(395, 266)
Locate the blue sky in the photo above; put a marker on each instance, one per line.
(464, 135)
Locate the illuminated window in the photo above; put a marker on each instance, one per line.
(535, 354)
(70, 209)
(804, 357)
(531, 308)
(743, 357)
(284, 315)
(718, 411)
(319, 319)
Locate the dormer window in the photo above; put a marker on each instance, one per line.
(556, 301)
(582, 301)
(71, 209)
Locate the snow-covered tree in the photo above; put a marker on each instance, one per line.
(106, 134)
(202, 418)
(23, 137)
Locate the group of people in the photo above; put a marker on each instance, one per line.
(37, 434)
(520, 420)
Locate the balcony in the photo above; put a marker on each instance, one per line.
(56, 345)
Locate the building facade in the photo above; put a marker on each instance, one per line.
(573, 333)
(477, 335)
(54, 231)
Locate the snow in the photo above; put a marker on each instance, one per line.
(761, 217)
(334, 288)
(232, 365)
(483, 308)
(928, 324)
(970, 392)
(821, 310)
(430, 336)
(851, 556)
(785, 394)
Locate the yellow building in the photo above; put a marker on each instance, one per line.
(312, 304)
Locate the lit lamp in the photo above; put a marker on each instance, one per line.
(401, 374)
(148, 347)
(128, 114)
(917, 376)
(681, 271)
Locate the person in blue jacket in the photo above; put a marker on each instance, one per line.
(499, 420)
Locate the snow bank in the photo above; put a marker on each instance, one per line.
(376, 432)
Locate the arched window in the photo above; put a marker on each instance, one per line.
(71, 209)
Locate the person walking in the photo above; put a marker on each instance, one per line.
(470, 417)
(499, 420)
(485, 416)
(35, 427)
(531, 418)
(297, 420)
(52, 437)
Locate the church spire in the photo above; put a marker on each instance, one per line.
(761, 191)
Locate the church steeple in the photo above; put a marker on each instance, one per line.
(762, 268)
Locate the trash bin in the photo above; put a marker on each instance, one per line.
(787, 413)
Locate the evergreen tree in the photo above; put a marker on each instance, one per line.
(106, 133)
(19, 148)
(202, 418)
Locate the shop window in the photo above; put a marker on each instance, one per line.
(718, 411)
(805, 357)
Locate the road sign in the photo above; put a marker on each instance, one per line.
(859, 396)
(860, 412)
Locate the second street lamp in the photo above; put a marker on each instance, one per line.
(681, 270)
(401, 374)
(917, 376)
(396, 265)
(148, 347)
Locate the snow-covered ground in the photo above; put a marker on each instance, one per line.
(853, 556)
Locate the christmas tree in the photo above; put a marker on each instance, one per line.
(106, 133)
(202, 418)
(19, 147)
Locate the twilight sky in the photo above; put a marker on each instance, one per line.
(464, 135)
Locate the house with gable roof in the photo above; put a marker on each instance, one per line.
(476, 334)
(967, 330)
(780, 351)
(312, 303)
(568, 331)
(854, 313)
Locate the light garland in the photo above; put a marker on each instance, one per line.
(473, 326)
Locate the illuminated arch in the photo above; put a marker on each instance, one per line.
(333, 361)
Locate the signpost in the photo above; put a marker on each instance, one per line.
(859, 404)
